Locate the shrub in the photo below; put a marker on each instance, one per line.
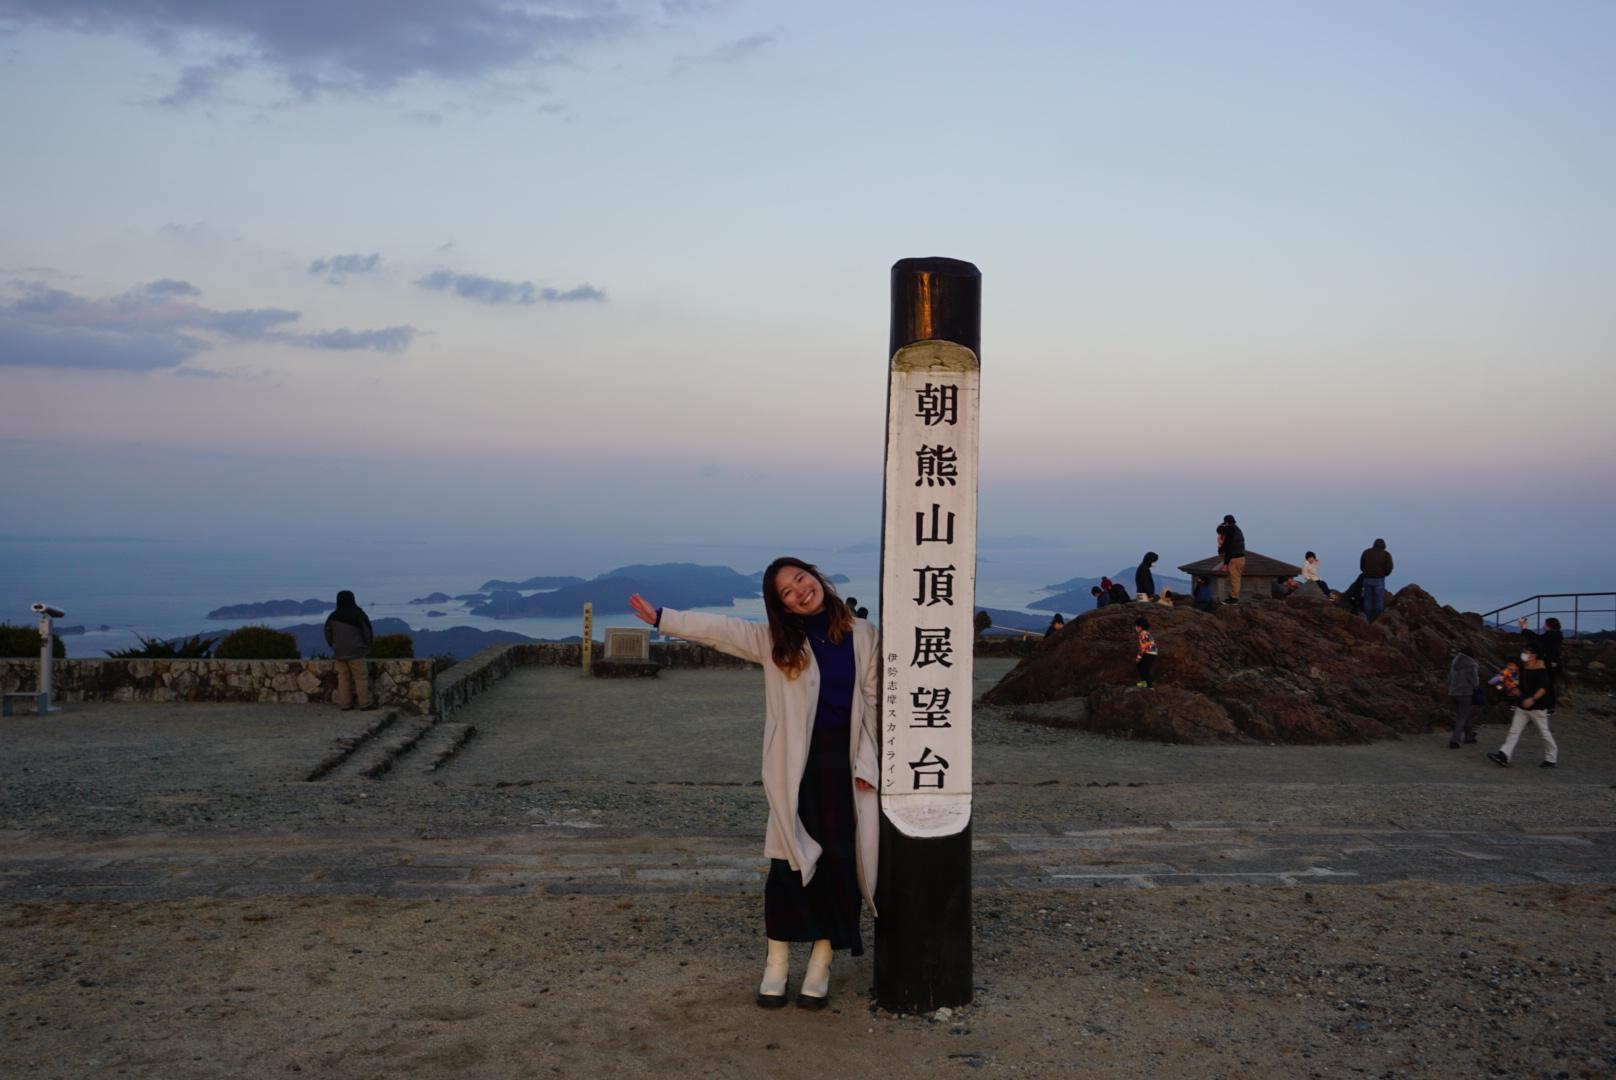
(257, 643)
(392, 647)
(23, 643)
(195, 647)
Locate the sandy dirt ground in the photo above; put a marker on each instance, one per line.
(1399, 980)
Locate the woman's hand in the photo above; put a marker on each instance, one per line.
(862, 784)
(645, 611)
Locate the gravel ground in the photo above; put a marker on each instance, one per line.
(680, 753)
(1398, 978)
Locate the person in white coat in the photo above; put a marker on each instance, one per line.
(821, 762)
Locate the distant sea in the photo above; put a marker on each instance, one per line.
(164, 588)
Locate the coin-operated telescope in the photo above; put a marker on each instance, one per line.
(42, 696)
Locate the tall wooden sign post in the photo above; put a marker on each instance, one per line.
(589, 637)
(928, 593)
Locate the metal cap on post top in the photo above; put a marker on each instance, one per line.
(936, 299)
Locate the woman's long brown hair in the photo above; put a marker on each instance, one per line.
(790, 639)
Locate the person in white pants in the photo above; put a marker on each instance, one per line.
(1537, 701)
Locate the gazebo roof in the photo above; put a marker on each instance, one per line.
(1257, 565)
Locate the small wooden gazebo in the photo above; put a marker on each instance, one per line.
(1257, 581)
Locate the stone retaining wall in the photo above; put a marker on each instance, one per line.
(405, 684)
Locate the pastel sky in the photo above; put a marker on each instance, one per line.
(588, 267)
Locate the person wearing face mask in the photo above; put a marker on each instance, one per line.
(821, 669)
(1536, 702)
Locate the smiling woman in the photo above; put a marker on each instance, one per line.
(820, 763)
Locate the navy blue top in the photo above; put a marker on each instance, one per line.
(836, 673)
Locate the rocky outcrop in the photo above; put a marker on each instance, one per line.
(1299, 670)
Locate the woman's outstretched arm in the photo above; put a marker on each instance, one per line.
(738, 637)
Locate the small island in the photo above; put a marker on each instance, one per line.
(272, 609)
(678, 585)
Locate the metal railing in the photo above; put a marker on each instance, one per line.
(1582, 614)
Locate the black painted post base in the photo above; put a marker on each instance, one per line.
(923, 937)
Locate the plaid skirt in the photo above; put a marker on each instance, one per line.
(828, 906)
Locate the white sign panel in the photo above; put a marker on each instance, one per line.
(928, 588)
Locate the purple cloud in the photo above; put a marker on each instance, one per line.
(336, 268)
(487, 290)
(362, 47)
(153, 326)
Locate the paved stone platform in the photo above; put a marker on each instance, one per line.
(560, 862)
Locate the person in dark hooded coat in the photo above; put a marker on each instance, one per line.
(1144, 582)
(348, 632)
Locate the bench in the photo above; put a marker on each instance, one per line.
(6, 702)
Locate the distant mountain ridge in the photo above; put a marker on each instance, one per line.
(497, 585)
(1075, 596)
(1016, 620)
(456, 641)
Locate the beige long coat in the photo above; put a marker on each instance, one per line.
(788, 726)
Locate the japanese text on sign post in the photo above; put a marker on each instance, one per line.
(928, 588)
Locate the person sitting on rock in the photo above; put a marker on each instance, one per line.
(1310, 573)
(1167, 598)
(1145, 658)
(1119, 593)
(1055, 624)
(1144, 582)
(1101, 597)
(1203, 593)
(1353, 596)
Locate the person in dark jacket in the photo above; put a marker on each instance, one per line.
(1376, 566)
(1144, 582)
(1119, 593)
(1464, 680)
(1352, 595)
(1202, 593)
(1057, 623)
(1101, 597)
(1232, 550)
(348, 632)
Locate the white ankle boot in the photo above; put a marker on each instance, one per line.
(772, 990)
(816, 980)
